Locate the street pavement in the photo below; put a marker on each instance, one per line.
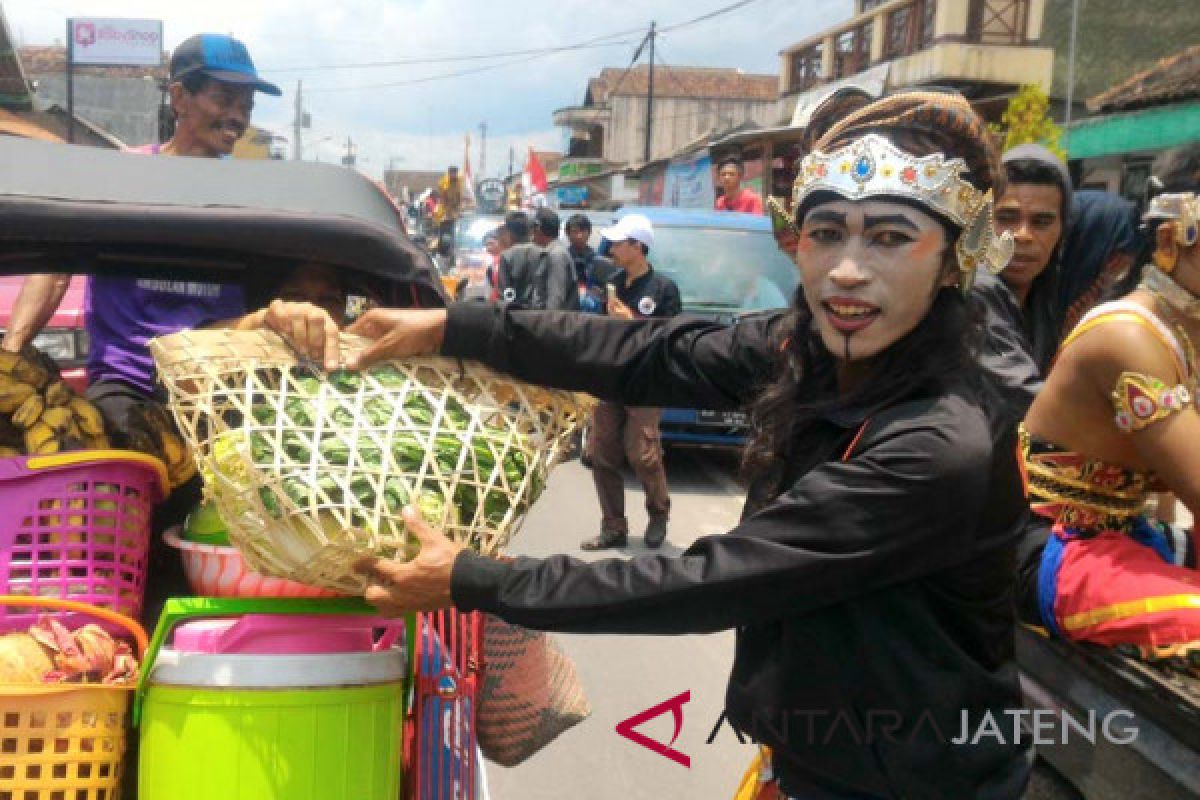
(624, 675)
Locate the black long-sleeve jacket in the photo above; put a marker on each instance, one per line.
(872, 598)
(538, 277)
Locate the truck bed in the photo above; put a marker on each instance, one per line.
(1163, 760)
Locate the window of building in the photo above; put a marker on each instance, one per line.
(852, 51)
(806, 68)
(867, 5)
(898, 39)
(998, 21)
(928, 22)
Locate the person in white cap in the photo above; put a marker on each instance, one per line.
(620, 432)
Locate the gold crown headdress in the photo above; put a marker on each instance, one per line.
(872, 166)
(1180, 207)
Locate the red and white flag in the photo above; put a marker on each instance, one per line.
(533, 182)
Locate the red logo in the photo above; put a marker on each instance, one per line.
(675, 706)
(85, 34)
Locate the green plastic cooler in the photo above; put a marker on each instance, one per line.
(271, 700)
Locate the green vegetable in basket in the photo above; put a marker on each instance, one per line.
(227, 450)
(300, 411)
(419, 411)
(408, 453)
(321, 464)
(264, 414)
(345, 381)
(378, 411)
(388, 376)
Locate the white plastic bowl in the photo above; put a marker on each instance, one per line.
(216, 571)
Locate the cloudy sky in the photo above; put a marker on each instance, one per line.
(398, 117)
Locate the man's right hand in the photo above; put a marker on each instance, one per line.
(398, 333)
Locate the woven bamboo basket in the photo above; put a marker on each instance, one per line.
(310, 471)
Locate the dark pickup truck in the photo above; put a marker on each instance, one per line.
(1134, 730)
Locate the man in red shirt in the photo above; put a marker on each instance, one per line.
(734, 197)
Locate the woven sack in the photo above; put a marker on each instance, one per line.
(310, 471)
(530, 693)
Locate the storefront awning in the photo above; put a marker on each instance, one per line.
(1150, 129)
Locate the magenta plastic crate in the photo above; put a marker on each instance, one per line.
(76, 526)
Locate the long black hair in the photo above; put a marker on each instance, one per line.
(940, 350)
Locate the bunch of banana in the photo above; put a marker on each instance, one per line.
(39, 414)
(151, 430)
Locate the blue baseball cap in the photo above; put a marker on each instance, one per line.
(220, 57)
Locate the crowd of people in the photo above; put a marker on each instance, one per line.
(962, 420)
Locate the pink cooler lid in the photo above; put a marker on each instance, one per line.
(273, 634)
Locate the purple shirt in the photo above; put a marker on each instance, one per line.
(122, 314)
(133, 311)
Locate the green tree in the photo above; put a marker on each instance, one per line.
(1026, 121)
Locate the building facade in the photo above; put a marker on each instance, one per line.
(1149, 112)
(982, 48)
(124, 101)
(609, 128)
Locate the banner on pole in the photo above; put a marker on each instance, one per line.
(96, 41)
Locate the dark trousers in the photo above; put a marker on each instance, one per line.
(620, 434)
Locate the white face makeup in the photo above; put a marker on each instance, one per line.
(870, 271)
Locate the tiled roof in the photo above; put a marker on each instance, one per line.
(50, 59)
(1173, 78)
(706, 82)
(22, 125)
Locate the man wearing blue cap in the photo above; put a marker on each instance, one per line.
(212, 88)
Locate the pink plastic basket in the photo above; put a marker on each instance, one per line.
(76, 526)
(216, 571)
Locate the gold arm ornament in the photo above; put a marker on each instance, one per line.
(1141, 400)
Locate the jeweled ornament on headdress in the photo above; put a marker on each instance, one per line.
(874, 167)
(1183, 208)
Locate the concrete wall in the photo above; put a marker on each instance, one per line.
(125, 107)
(677, 121)
(972, 62)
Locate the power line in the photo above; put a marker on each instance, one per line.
(530, 55)
(600, 41)
(710, 15)
(460, 73)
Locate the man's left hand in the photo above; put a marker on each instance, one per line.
(308, 328)
(619, 310)
(422, 584)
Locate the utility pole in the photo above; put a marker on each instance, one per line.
(650, 93)
(511, 161)
(349, 159)
(1071, 73)
(482, 150)
(298, 124)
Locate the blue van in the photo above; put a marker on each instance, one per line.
(725, 264)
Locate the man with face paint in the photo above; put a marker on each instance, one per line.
(870, 578)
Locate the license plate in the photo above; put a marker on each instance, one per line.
(723, 418)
